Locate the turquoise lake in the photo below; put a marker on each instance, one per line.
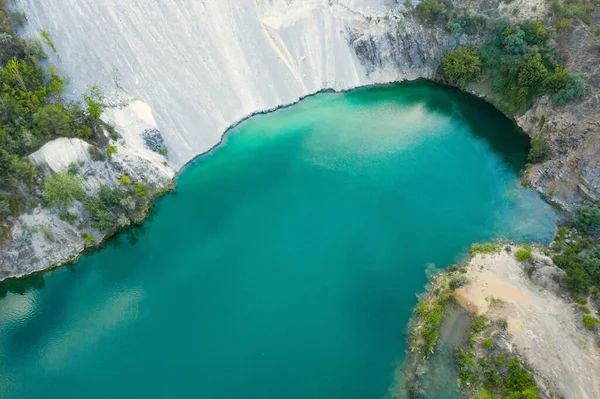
(288, 260)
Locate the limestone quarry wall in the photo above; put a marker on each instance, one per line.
(204, 65)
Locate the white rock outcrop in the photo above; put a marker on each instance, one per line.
(40, 239)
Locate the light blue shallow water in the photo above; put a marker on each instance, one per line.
(286, 264)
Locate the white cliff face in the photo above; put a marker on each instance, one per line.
(205, 65)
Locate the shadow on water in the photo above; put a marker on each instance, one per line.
(483, 119)
(36, 281)
(23, 285)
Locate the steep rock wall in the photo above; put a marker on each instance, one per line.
(204, 65)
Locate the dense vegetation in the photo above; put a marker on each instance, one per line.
(520, 62)
(461, 65)
(576, 250)
(487, 371)
(517, 62)
(32, 112)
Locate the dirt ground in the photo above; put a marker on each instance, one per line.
(546, 329)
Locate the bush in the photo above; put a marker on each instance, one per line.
(31, 113)
(578, 280)
(88, 238)
(533, 73)
(520, 380)
(428, 8)
(465, 22)
(563, 25)
(95, 153)
(93, 100)
(487, 343)
(589, 322)
(558, 80)
(35, 49)
(462, 65)
(47, 39)
(103, 220)
(539, 150)
(479, 324)
(125, 179)
(588, 219)
(485, 248)
(514, 41)
(61, 189)
(112, 208)
(517, 59)
(524, 254)
(111, 150)
(5, 38)
(68, 217)
(457, 282)
(52, 121)
(575, 87)
(584, 309)
(140, 190)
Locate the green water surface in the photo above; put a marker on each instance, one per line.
(287, 262)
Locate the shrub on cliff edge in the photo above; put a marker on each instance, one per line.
(539, 150)
(461, 65)
(428, 8)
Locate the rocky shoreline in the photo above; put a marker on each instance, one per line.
(517, 312)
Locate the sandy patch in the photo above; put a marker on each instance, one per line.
(486, 286)
(545, 328)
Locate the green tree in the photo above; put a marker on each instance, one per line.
(61, 189)
(588, 219)
(590, 322)
(93, 100)
(524, 254)
(578, 280)
(539, 150)
(534, 72)
(514, 40)
(52, 121)
(428, 8)
(111, 150)
(558, 80)
(103, 220)
(461, 65)
(576, 86)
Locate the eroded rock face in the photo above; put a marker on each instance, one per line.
(202, 66)
(571, 176)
